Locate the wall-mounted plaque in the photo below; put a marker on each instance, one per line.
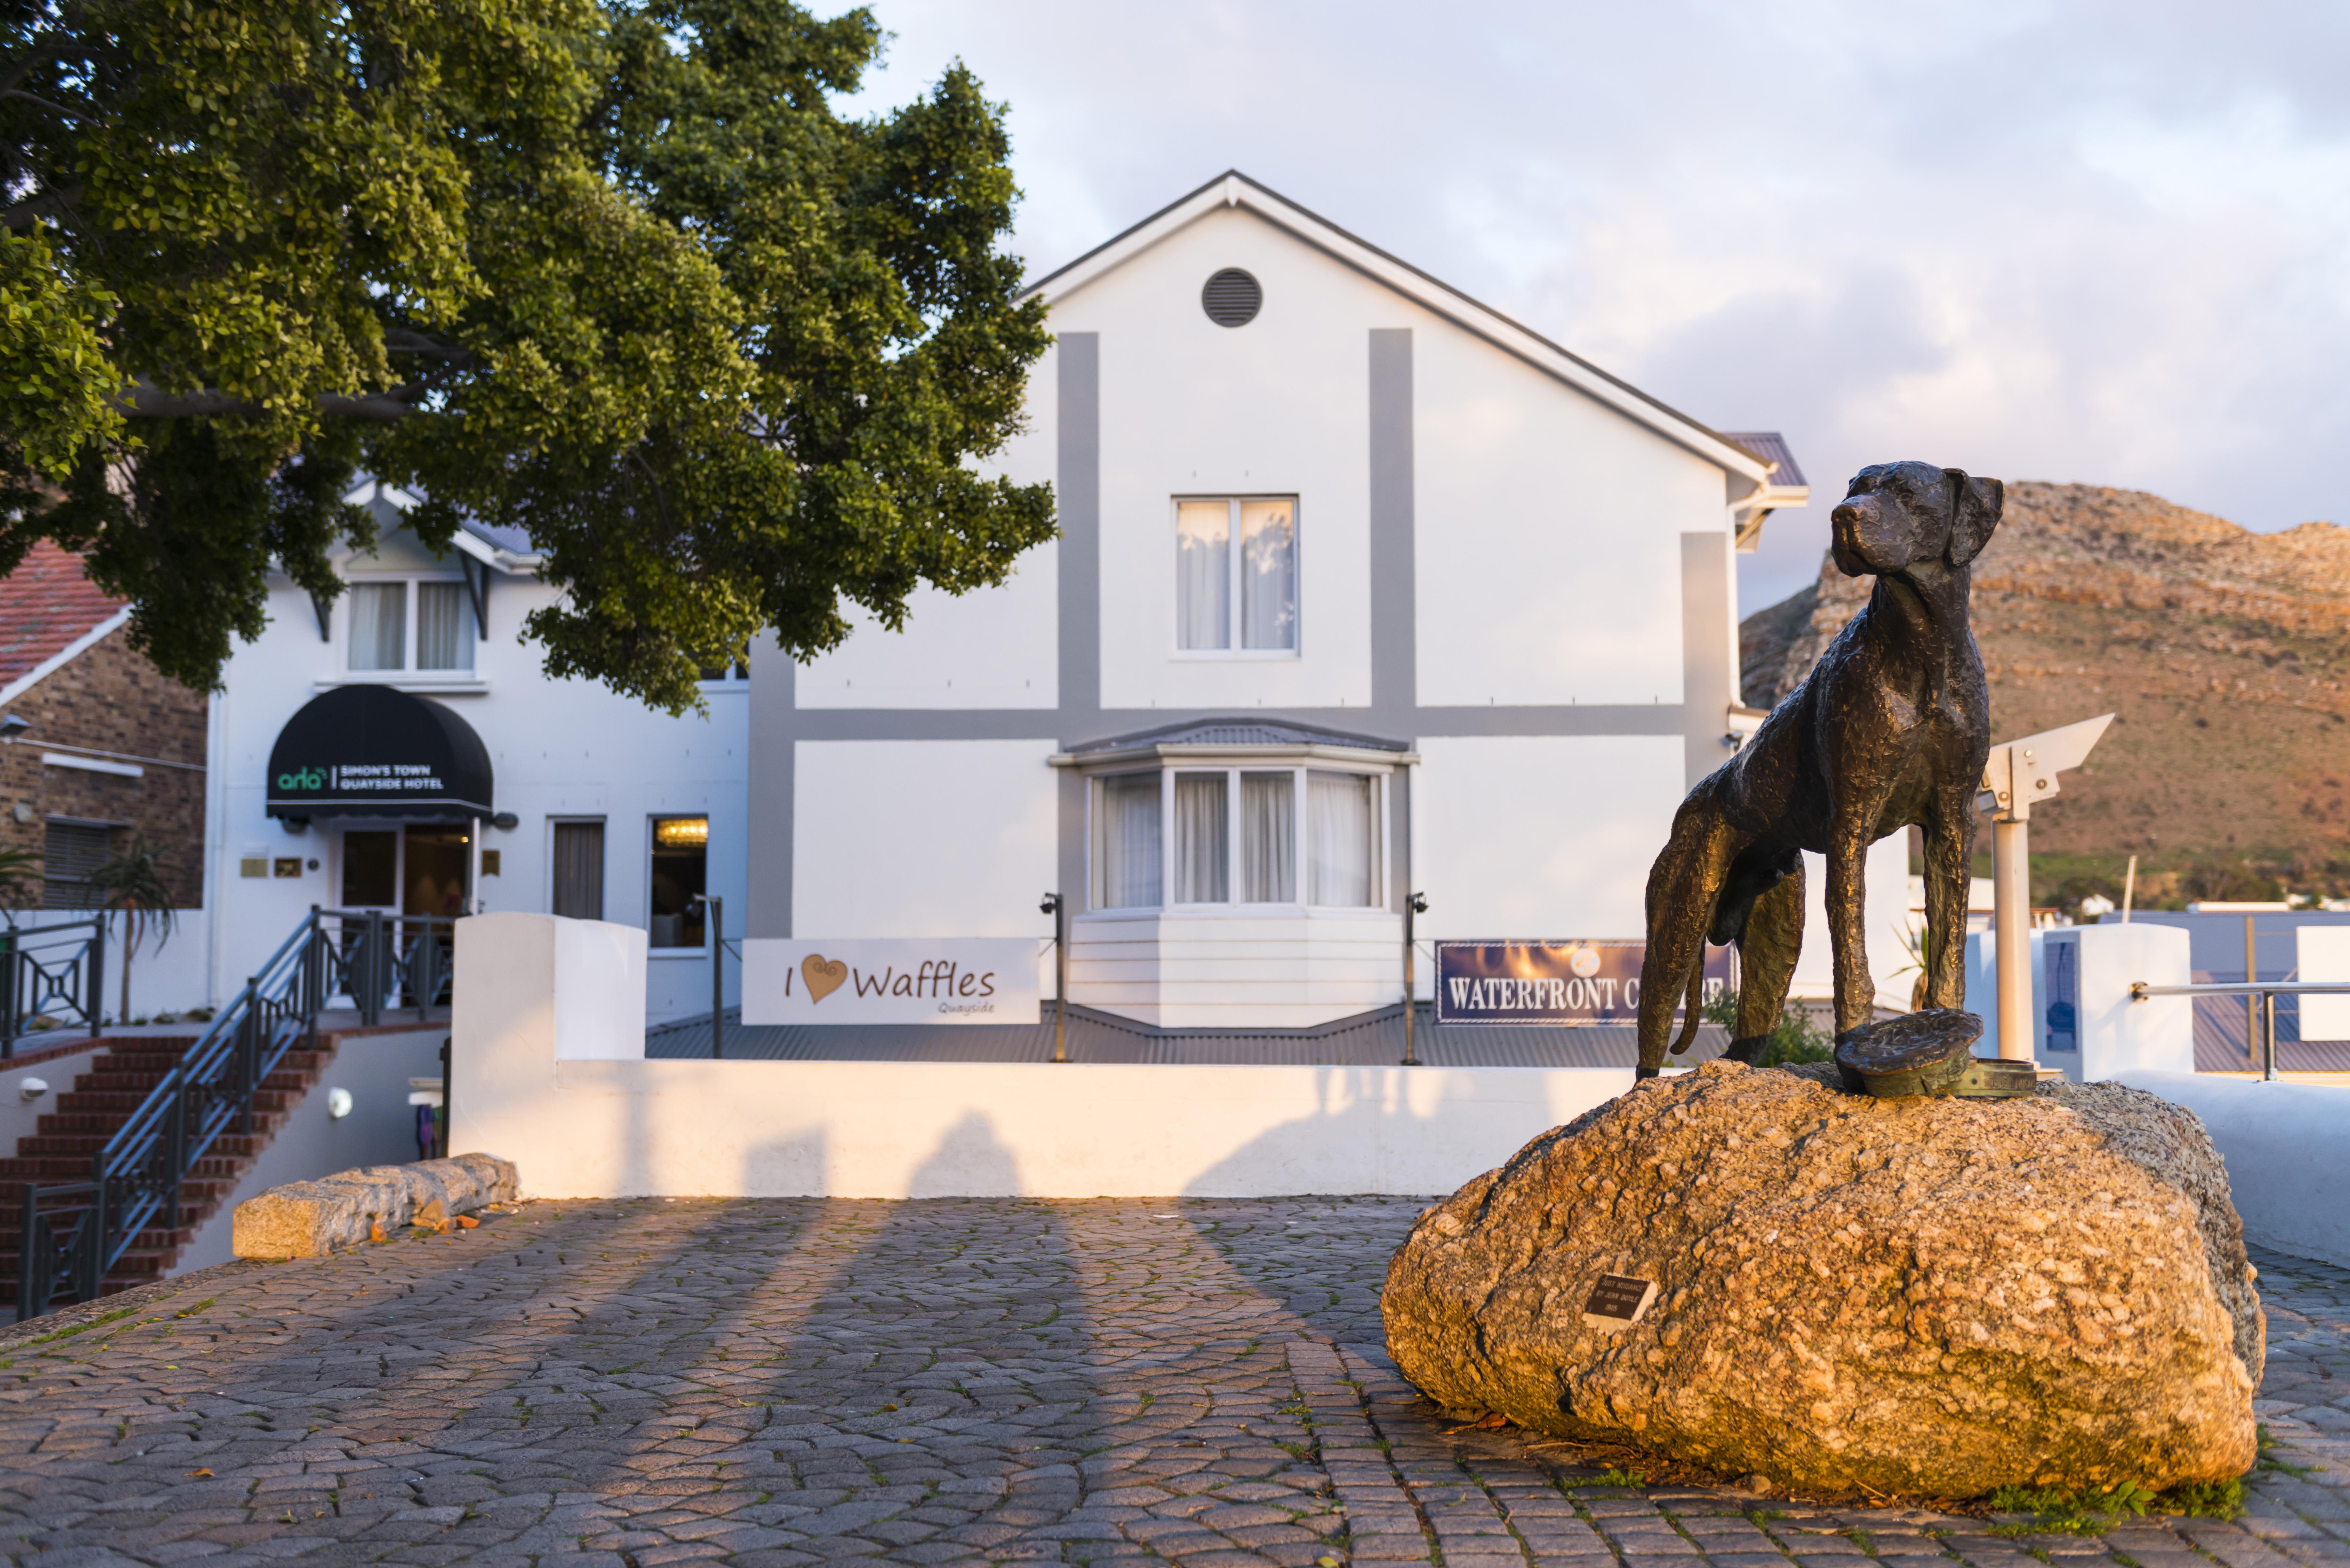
(1618, 1300)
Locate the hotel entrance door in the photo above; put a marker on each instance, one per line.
(423, 869)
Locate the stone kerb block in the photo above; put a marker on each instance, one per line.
(312, 1219)
(1920, 1297)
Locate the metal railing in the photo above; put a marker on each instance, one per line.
(2268, 991)
(384, 962)
(73, 1232)
(59, 968)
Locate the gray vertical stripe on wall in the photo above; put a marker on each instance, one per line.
(1395, 637)
(767, 835)
(1706, 652)
(1076, 493)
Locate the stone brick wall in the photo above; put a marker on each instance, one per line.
(111, 700)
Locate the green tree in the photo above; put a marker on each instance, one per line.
(135, 883)
(620, 275)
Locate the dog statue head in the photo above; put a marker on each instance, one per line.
(1899, 517)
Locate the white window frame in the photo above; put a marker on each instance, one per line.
(1383, 831)
(408, 674)
(1234, 499)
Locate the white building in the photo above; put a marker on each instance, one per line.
(595, 806)
(1362, 588)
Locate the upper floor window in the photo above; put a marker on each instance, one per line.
(412, 625)
(1236, 574)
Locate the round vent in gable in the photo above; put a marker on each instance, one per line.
(1232, 297)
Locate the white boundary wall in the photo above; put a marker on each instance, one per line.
(546, 1084)
(2287, 1154)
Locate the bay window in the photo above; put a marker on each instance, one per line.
(1342, 852)
(1126, 842)
(1238, 836)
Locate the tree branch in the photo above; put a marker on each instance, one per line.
(400, 342)
(28, 212)
(67, 20)
(146, 400)
(45, 103)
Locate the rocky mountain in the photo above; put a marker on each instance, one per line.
(2224, 654)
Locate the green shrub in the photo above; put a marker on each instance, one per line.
(1796, 1038)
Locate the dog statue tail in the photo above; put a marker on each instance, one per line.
(1696, 999)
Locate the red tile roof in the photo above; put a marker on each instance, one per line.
(47, 604)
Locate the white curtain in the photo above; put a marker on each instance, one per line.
(379, 626)
(445, 627)
(1203, 566)
(1338, 838)
(1201, 846)
(1268, 573)
(1268, 838)
(1127, 841)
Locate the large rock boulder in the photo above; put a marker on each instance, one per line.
(1925, 1297)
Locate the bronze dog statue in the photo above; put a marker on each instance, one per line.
(1889, 730)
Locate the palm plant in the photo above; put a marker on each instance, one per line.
(136, 885)
(19, 875)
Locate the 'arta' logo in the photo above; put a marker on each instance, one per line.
(305, 778)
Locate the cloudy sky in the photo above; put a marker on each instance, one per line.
(2106, 243)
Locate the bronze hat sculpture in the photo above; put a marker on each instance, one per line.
(1890, 730)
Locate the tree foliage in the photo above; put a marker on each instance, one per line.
(619, 274)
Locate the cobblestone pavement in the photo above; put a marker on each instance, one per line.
(628, 1385)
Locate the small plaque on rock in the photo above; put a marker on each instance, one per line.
(1618, 1301)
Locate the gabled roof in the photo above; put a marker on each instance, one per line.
(1772, 447)
(50, 612)
(1785, 487)
(509, 549)
(1234, 188)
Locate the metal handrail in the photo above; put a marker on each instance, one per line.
(33, 975)
(2268, 991)
(2140, 989)
(138, 1174)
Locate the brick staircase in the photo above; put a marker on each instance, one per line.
(101, 1100)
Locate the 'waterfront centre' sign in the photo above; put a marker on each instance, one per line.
(907, 980)
(1550, 982)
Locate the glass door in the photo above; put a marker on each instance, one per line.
(369, 884)
(434, 869)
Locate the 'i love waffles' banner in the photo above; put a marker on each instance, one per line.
(911, 980)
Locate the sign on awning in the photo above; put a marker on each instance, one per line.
(1565, 982)
(376, 751)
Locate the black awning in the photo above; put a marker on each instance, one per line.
(375, 750)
